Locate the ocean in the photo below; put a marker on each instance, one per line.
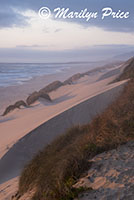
(18, 73)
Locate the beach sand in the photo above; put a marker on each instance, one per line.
(14, 93)
(23, 126)
(111, 175)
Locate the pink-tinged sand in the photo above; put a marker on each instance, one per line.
(20, 122)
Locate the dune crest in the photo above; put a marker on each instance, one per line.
(18, 104)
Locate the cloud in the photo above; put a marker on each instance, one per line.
(8, 16)
(58, 30)
(32, 46)
(94, 53)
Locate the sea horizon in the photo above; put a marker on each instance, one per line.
(12, 74)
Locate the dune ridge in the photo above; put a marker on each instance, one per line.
(24, 150)
(67, 158)
(79, 87)
(44, 92)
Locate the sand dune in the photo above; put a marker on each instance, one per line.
(27, 131)
(111, 73)
(111, 175)
(18, 123)
(29, 145)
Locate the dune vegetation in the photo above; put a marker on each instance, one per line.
(53, 172)
(128, 71)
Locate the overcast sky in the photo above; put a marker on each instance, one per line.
(25, 37)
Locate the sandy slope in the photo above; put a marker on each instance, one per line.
(44, 121)
(18, 123)
(111, 175)
(14, 93)
(8, 188)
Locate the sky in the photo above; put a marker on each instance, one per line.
(26, 36)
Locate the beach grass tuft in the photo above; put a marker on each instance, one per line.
(55, 170)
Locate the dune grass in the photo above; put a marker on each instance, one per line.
(128, 71)
(54, 171)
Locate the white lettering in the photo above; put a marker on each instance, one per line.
(61, 13)
(106, 12)
(126, 15)
(84, 14)
(64, 13)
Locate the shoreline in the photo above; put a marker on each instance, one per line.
(14, 124)
(18, 124)
(10, 94)
(57, 69)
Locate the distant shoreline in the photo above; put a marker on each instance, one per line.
(10, 94)
(72, 104)
(13, 74)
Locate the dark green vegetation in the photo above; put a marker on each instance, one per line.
(54, 170)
